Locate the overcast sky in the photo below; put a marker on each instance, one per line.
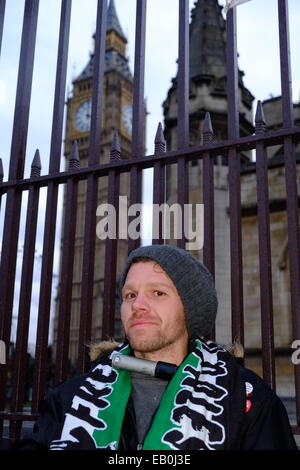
(258, 58)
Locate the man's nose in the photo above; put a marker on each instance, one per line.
(140, 303)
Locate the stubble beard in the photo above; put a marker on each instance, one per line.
(156, 342)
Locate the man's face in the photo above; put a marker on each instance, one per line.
(152, 312)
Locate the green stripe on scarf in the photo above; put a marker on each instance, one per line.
(162, 421)
(113, 414)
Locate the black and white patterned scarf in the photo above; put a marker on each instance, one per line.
(200, 401)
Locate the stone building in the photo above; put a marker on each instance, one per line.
(208, 93)
(279, 250)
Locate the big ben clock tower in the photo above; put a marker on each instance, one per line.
(118, 96)
(117, 116)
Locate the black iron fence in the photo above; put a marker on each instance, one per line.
(15, 186)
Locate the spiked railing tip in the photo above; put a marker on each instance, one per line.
(116, 142)
(159, 133)
(160, 141)
(115, 151)
(74, 160)
(36, 165)
(260, 121)
(208, 132)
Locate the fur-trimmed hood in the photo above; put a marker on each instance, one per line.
(102, 346)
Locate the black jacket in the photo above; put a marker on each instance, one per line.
(265, 426)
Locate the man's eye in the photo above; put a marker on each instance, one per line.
(129, 296)
(158, 293)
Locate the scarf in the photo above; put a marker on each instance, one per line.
(192, 412)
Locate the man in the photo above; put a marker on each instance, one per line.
(168, 304)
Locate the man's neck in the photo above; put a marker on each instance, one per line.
(166, 355)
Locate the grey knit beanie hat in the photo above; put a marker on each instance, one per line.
(192, 279)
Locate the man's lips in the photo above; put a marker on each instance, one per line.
(142, 323)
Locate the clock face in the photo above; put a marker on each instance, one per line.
(127, 118)
(83, 116)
